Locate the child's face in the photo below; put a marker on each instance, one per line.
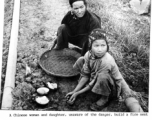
(99, 47)
(79, 8)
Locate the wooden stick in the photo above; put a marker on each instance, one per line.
(12, 57)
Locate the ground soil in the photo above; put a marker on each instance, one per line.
(39, 21)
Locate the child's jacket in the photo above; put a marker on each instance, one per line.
(107, 65)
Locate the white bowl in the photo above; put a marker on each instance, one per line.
(52, 86)
(42, 100)
(42, 90)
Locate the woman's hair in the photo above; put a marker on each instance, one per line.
(72, 1)
(97, 34)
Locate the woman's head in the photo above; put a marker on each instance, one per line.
(98, 42)
(72, 1)
(78, 7)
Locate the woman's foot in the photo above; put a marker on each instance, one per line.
(100, 104)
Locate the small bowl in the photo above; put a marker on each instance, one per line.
(52, 86)
(43, 90)
(42, 100)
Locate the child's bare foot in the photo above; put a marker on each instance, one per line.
(103, 100)
(100, 104)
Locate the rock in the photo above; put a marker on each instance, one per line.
(36, 74)
(33, 64)
(3, 76)
(17, 82)
(26, 55)
(34, 81)
(21, 78)
(4, 58)
(19, 65)
(25, 107)
(42, 84)
(5, 53)
(52, 86)
(17, 78)
(44, 45)
(19, 59)
(19, 108)
(140, 6)
(23, 64)
(48, 39)
(55, 100)
(28, 70)
(19, 103)
(66, 109)
(36, 85)
(28, 79)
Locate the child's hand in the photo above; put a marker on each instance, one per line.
(69, 95)
(73, 98)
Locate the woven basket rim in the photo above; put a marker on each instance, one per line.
(58, 74)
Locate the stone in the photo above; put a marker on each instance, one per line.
(140, 6)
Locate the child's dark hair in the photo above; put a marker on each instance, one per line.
(95, 35)
(72, 1)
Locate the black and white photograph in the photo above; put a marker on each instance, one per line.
(73, 58)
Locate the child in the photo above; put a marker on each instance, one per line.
(99, 73)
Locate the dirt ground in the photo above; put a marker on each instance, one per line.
(39, 21)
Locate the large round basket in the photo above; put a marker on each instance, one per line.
(59, 62)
